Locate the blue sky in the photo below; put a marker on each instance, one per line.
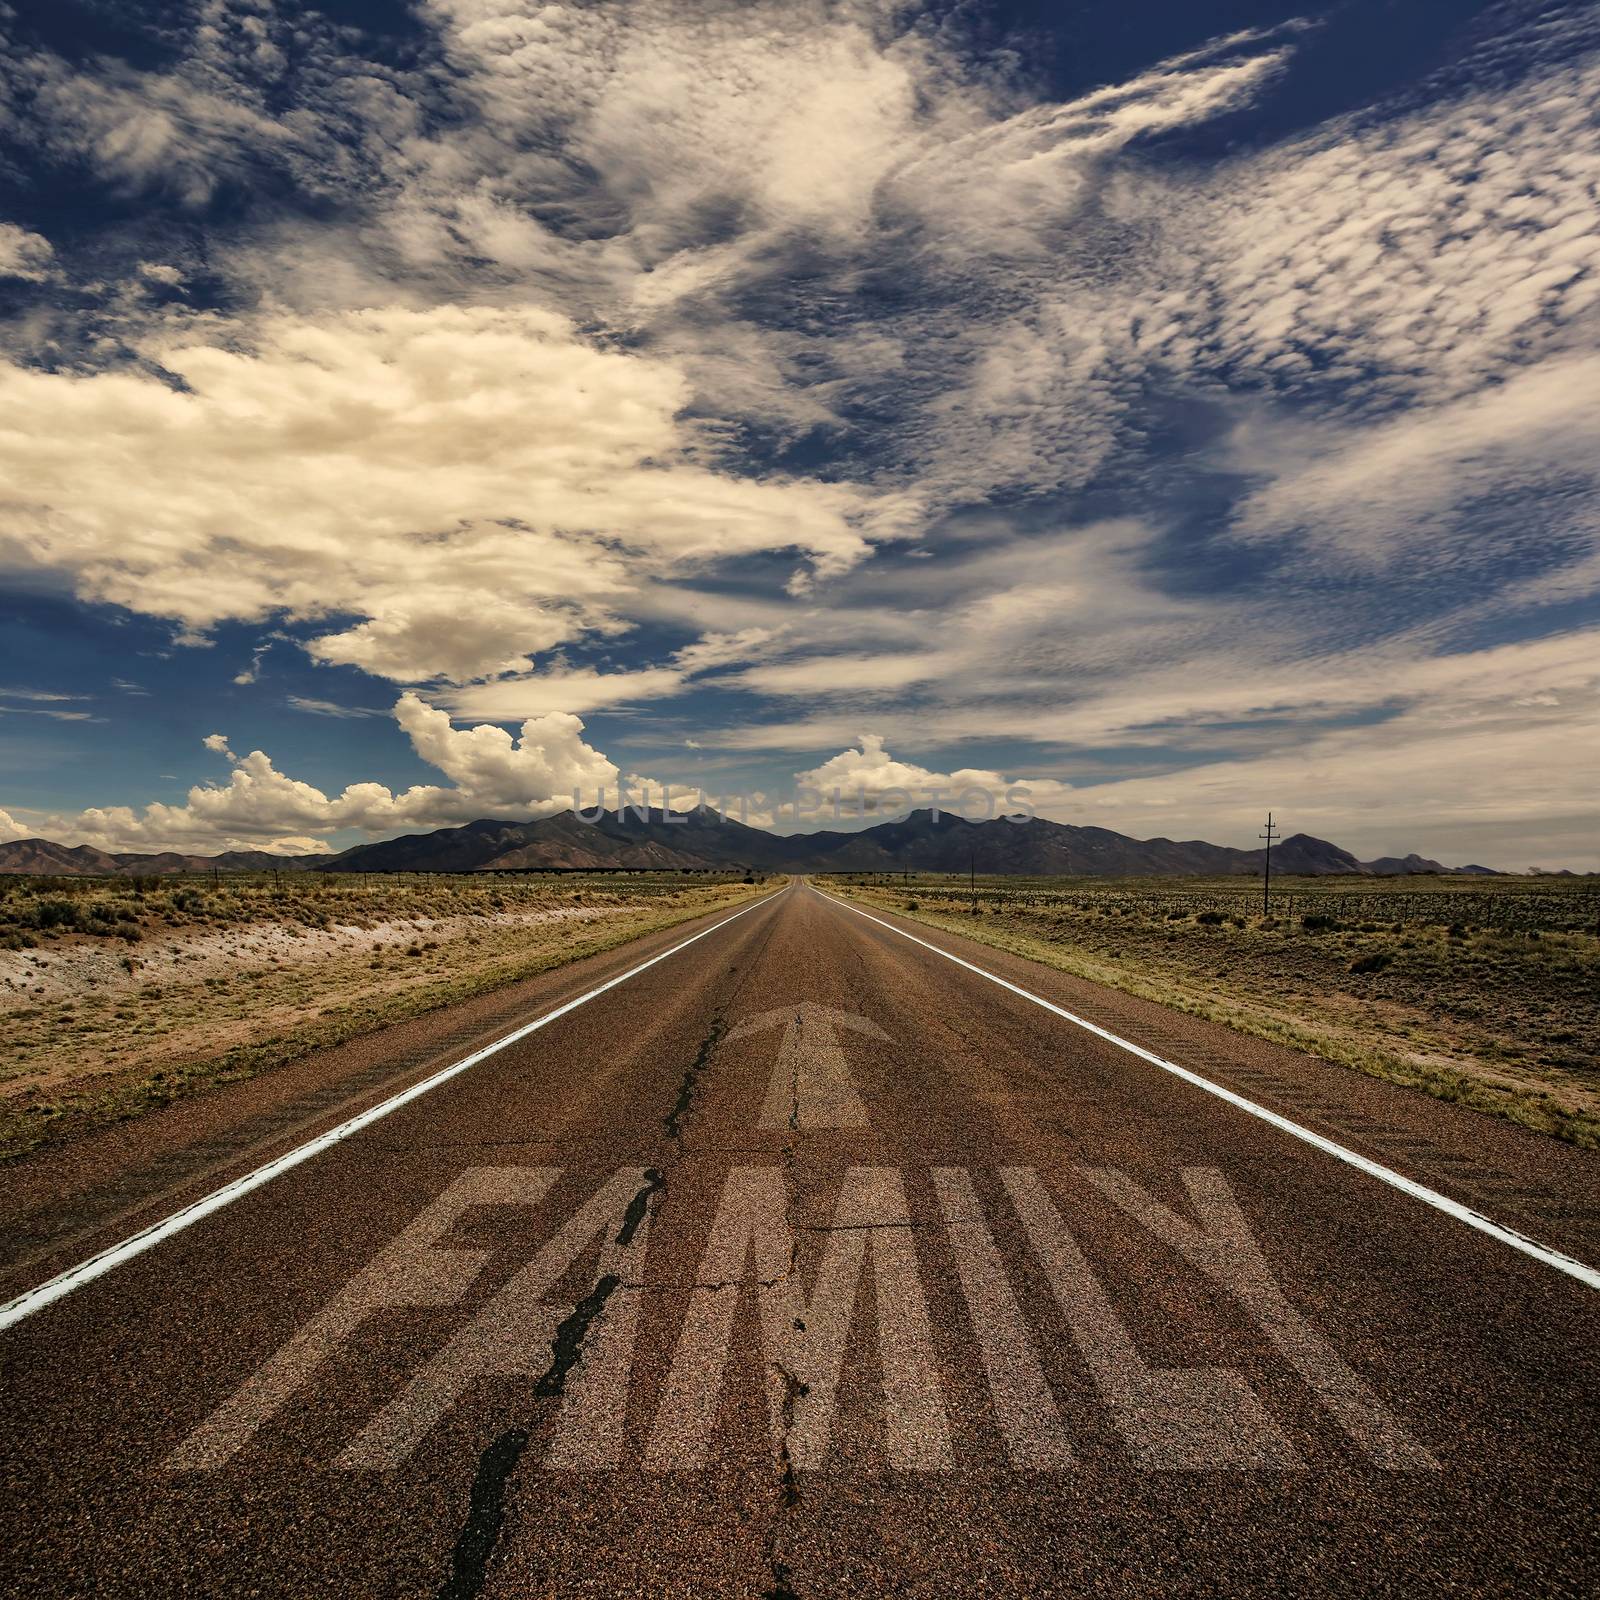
(417, 413)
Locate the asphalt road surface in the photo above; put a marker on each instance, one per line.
(808, 1262)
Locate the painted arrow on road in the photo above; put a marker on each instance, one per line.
(811, 1083)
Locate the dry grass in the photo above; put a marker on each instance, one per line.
(1482, 992)
(133, 999)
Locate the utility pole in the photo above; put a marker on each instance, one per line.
(1266, 876)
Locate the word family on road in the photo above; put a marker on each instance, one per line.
(1168, 1417)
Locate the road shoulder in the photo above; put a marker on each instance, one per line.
(1538, 1185)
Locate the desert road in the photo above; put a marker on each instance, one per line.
(780, 1254)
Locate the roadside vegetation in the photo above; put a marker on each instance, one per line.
(1484, 992)
(117, 995)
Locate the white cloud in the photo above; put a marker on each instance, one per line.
(1463, 772)
(542, 769)
(329, 708)
(1380, 491)
(1405, 255)
(514, 483)
(714, 650)
(11, 829)
(539, 694)
(25, 255)
(871, 774)
(843, 674)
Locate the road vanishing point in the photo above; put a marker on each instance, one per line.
(804, 1251)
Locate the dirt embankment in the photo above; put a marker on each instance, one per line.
(111, 1003)
(85, 967)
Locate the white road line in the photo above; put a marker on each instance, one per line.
(1397, 1180)
(136, 1244)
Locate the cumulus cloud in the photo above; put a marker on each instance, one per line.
(542, 768)
(538, 771)
(871, 774)
(472, 484)
(11, 829)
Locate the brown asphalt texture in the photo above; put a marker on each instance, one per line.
(1395, 1404)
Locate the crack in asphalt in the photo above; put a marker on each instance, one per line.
(725, 1283)
(794, 1391)
(486, 1509)
(780, 1589)
(794, 1088)
(673, 1120)
(793, 1388)
(639, 1206)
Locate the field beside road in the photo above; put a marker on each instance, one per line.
(1482, 992)
(118, 995)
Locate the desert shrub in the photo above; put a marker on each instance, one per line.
(1319, 922)
(1210, 919)
(54, 913)
(1375, 962)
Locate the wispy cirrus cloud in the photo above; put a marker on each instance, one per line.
(43, 703)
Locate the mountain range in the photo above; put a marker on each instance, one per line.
(705, 840)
